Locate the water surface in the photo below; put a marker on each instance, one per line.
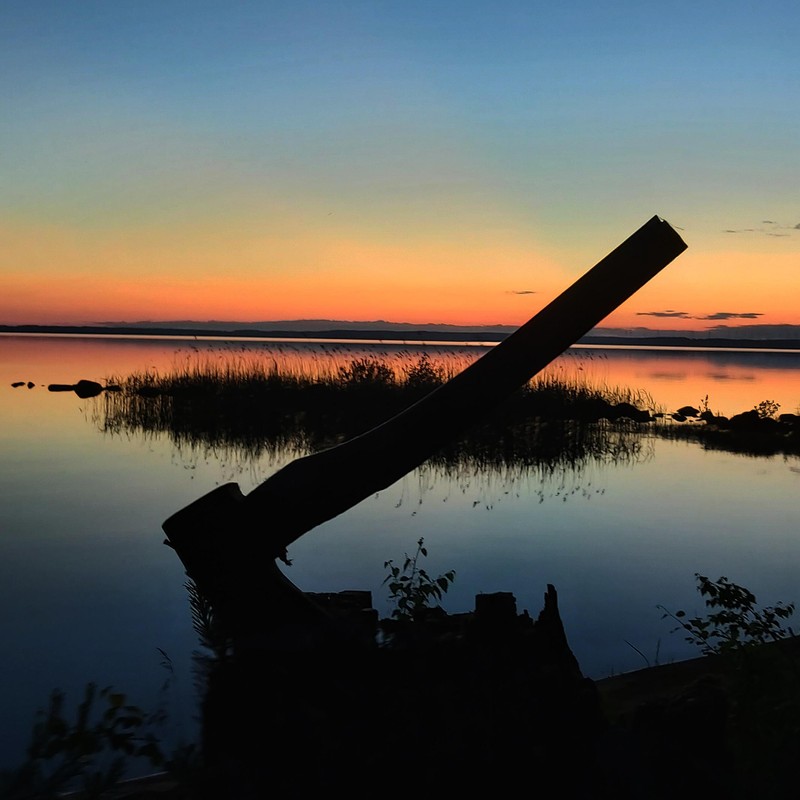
(89, 592)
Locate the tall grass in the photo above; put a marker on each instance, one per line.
(389, 381)
(283, 405)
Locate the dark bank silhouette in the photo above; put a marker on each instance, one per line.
(306, 701)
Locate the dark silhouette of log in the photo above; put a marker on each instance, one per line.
(227, 540)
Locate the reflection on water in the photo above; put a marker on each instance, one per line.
(733, 381)
(91, 591)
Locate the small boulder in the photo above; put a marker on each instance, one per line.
(82, 388)
(688, 411)
(747, 420)
(87, 389)
(594, 410)
(629, 411)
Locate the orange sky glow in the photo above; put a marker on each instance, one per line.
(66, 278)
(334, 161)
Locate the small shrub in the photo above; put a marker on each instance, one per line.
(411, 589)
(767, 409)
(424, 375)
(366, 371)
(91, 753)
(762, 732)
(736, 623)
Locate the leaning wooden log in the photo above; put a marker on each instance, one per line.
(228, 541)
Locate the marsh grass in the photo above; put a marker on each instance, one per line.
(290, 403)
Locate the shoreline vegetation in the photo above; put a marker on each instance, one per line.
(556, 419)
(255, 404)
(258, 406)
(409, 334)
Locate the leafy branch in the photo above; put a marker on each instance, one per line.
(736, 622)
(412, 589)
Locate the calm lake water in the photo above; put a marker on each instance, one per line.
(89, 592)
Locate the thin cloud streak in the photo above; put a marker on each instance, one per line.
(717, 315)
(668, 313)
(766, 231)
(732, 315)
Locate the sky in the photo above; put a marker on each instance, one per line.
(404, 161)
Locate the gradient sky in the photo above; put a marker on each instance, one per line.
(407, 161)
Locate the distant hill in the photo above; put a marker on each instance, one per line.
(315, 325)
(749, 336)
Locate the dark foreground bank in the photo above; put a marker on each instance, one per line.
(490, 702)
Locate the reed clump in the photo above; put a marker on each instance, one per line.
(250, 407)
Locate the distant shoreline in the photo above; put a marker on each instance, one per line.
(395, 335)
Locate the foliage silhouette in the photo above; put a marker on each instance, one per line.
(736, 623)
(757, 657)
(89, 754)
(411, 589)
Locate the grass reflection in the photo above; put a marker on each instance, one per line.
(249, 408)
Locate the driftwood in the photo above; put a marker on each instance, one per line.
(229, 541)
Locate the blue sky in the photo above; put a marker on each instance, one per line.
(338, 153)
